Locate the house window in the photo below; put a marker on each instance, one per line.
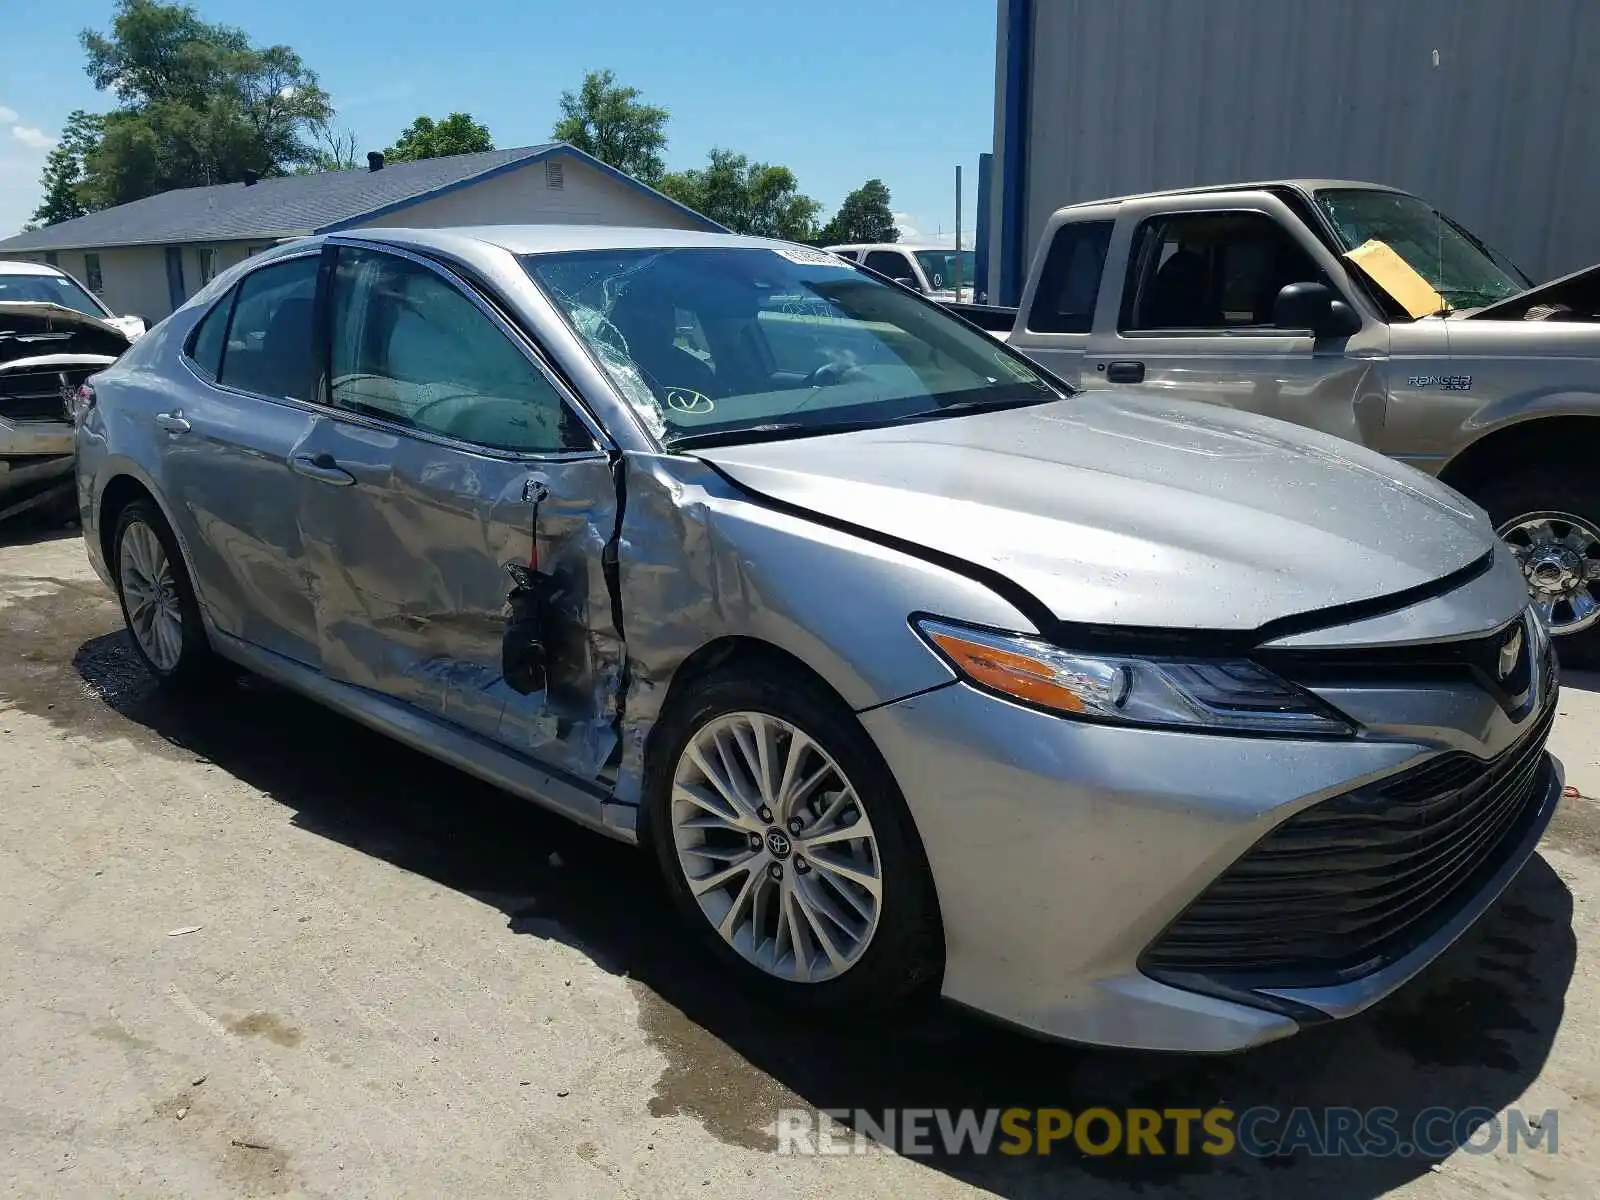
(91, 273)
(554, 178)
(208, 263)
(52, 259)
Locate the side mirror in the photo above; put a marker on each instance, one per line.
(906, 281)
(1314, 306)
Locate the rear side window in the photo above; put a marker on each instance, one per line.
(206, 342)
(1070, 281)
(268, 348)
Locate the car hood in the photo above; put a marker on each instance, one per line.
(32, 330)
(1135, 510)
(1573, 297)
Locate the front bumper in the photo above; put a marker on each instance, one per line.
(33, 453)
(1061, 850)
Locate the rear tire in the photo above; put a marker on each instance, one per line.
(158, 600)
(792, 922)
(1550, 516)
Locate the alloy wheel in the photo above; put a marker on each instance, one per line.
(150, 592)
(1560, 557)
(776, 847)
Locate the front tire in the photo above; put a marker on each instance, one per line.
(157, 598)
(784, 840)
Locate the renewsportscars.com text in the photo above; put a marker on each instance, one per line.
(1259, 1132)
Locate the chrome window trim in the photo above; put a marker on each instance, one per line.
(529, 348)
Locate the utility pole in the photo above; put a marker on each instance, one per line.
(958, 233)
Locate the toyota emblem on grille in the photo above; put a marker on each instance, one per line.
(1510, 654)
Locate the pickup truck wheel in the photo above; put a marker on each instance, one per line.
(1552, 524)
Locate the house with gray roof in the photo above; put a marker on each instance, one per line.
(149, 256)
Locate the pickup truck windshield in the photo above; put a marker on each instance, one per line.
(50, 289)
(1467, 273)
(942, 267)
(744, 342)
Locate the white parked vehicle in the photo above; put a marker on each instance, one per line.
(40, 283)
(940, 272)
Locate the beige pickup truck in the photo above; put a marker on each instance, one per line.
(1358, 310)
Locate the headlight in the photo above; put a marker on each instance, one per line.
(1177, 693)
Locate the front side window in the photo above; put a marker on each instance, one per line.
(1211, 271)
(1069, 284)
(409, 347)
(50, 289)
(268, 349)
(946, 268)
(1459, 267)
(789, 341)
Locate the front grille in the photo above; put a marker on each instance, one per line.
(1355, 882)
(38, 395)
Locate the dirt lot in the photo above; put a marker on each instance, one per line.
(396, 981)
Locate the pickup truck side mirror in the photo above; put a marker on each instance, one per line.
(907, 281)
(1314, 306)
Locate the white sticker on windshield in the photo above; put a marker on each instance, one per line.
(807, 257)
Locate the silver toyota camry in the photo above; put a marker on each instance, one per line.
(1120, 719)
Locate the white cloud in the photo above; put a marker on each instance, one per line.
(35, 139)
(8, 115)
(908, 231)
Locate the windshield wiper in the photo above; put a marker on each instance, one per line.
(772, 432)
(969, 406)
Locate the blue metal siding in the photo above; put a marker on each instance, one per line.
(1017, 91)
(1503, 133)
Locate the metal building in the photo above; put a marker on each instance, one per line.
(1488, 108)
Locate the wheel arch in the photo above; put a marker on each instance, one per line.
(1536, 439)
(125, 484)
(720, 652)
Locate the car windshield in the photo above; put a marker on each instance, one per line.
(49, 289)
(946, 268)
(1459, 267)
(732, 343)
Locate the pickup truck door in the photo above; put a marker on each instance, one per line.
(1186, 306)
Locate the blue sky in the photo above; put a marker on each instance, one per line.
(838, 90)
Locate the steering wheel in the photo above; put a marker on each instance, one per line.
(830, 374)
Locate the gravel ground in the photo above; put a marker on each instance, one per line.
(249, 948)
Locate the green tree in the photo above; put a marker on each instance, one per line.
(864, 216)
(753, 198)
(199, 104)
(456, 134)
(62, 178)
(608, 121)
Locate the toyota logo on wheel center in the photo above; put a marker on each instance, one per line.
(778, 843)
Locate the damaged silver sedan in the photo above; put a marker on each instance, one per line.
(1118, 718)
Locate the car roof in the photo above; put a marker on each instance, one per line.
(17, 266)
(1306, 186)
(891, 246)
(554, 239)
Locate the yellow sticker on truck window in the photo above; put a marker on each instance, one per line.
(1398, 277)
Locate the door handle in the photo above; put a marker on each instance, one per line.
(172, 422)
(1125, 372)
(322, 468)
